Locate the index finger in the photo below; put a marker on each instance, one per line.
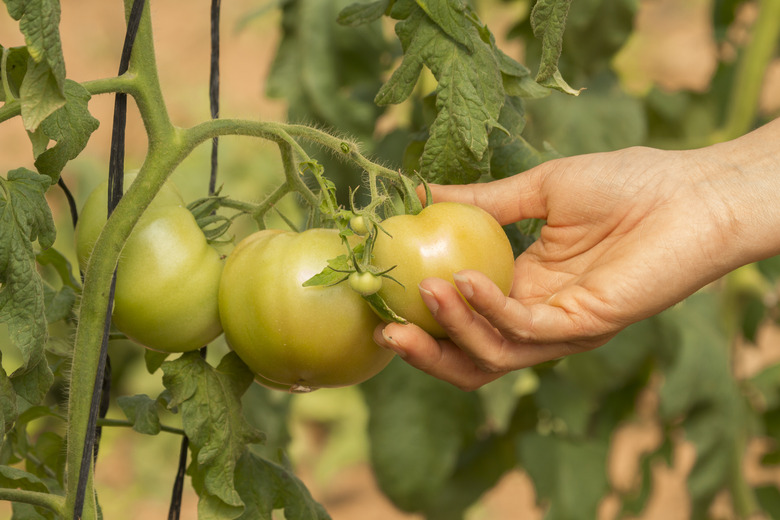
(508, 200)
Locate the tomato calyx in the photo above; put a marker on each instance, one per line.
(214, 226)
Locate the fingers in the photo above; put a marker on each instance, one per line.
(508, 200)
(494, 337)
(438, 358)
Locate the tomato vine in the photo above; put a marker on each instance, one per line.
(473, 113)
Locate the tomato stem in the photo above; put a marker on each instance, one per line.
(49, 501)
(751, 69)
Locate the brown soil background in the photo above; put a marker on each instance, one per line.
(674, 48)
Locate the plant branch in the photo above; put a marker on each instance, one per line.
(50, 501)
(293, 176)
(4, 84)
(120, 423)
(343, 148)
(165, 152)
(746, 92)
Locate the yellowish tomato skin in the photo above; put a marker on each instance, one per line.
(167, 277)
(305, 337)
(443, 239)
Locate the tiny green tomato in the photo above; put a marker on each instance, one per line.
(365, 283)
(359, 224)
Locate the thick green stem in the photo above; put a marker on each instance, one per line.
(55, 503)
(141, 81)
(742, 495)
(168, 146)
(751, 70)
(98, 86)
(6, 86)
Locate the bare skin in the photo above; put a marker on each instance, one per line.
(628, 234)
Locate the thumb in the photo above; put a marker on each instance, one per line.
(508, 200)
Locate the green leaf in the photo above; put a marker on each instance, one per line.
(569, 475)
(603, 119)
(362, 13)
(469, 97)
(43, 88)
(618, 362)
(265, 486)
(332, 274)
(210, 403)
(142, 411)
(699, 388)
(8, 409)
(416, 442)
(769, 499)
(767, 384)
(567, 403)
(154, 359)
(327, 72)
(40, 95)
(58, 303)
(15, 69)
(24, 218)
(15, 478)
(511, 153)
(517, 77)
(449, 16)
(71, 127)
(58, 261)
(32, 382)
(548, 20)
(500, 397)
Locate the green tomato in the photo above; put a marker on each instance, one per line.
(359, 225)
(441, 240)
(168, 275)
(364, 283)
(304, 337)
(94, 214)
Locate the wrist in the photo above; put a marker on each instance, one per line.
(745, 177)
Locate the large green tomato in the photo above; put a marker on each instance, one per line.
(167, 279)
(441, 240)
(299, 337)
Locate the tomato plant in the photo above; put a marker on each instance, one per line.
(168, 275)
(441, 240)
(305, 337)
(408, 90)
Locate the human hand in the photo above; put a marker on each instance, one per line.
(628, 234)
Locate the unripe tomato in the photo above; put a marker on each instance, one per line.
(359, 224)
(304, 337)
(441, 240)
(365, 283)
(168, 275)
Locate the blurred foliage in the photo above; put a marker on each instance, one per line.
(434, 449)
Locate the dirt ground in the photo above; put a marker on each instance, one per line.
(681, 55)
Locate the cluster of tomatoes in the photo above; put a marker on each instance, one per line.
(175, 293)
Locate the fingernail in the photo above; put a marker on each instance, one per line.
(388, 342)
(464, 285)
(429, 299)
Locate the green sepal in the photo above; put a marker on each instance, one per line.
(380, 307)
(335, 272)
(213, 226)
(407, 187)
